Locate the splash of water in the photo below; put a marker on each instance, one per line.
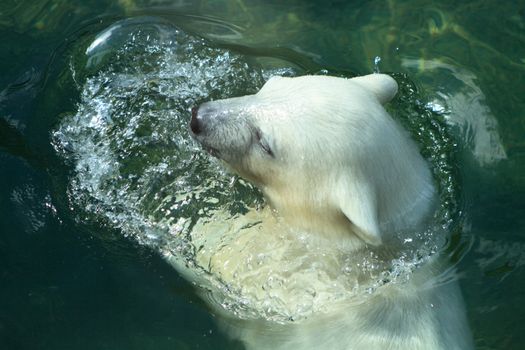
(136, 169)
(135, 165)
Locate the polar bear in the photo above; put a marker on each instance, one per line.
(341, 179)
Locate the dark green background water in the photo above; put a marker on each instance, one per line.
(62, 287)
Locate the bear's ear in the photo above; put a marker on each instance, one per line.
(383, 86)
(273, 85)
(358, 203)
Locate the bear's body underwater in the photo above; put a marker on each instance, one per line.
(341, 179)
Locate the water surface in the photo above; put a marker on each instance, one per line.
(72, 274)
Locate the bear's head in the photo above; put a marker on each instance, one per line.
(325, 153)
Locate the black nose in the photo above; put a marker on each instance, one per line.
(195, 123)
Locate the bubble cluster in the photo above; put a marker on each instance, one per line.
(135, 165)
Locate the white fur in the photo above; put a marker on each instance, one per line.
(342, 178)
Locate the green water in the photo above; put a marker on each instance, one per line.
(72, 275)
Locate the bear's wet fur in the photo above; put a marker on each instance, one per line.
(340, 176)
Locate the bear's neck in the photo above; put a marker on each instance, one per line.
(398, 211)
(303, 220)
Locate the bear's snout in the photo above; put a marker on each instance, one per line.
(222, 129)
(195, 123)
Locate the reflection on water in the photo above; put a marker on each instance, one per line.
(465, 106)
(466, 58)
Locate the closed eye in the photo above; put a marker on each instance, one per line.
(263, 144)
